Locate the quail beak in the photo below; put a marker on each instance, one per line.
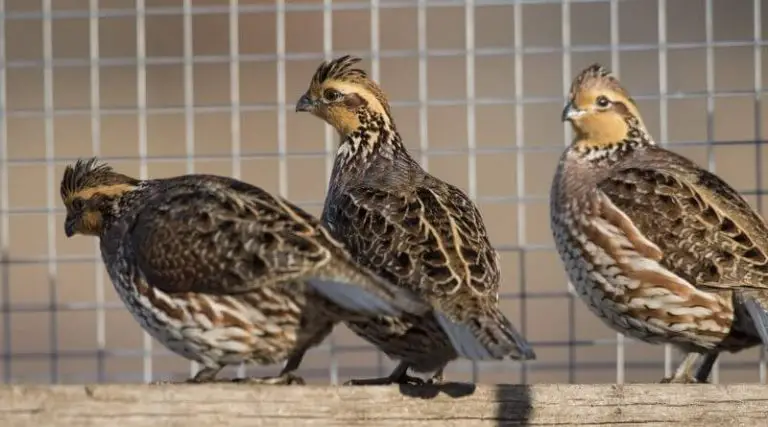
(69, 227)
(570, 112)
(305, 104)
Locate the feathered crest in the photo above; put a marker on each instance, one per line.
(597, 76)
(339, 68)
(90, 173)
(342, 69)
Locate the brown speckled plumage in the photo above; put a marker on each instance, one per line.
(220, 271)
(661, 249)
(411, 228)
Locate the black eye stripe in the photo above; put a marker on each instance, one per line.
(621, 108)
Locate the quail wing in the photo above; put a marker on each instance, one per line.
(698, 228)
(228, 237)
(424, 236)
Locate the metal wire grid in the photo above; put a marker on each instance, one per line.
(235, 108)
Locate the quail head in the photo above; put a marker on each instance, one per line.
(660, 249)
(221, 272)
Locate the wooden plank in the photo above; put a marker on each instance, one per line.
(454, 405)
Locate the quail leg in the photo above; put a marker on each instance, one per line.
(205, 375)
(437, 378)
(398, 376)
(702, 374)
(683, 374)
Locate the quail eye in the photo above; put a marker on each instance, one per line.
(78, 204)
(602, 101)
(332, 95)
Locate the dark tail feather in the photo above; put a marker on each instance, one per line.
(488, 336)
(759, 315)
(524, 349)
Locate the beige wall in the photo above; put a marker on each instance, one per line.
(546, 319)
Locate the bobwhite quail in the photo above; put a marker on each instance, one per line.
(220, 271)
(411, 228)
(660, 249)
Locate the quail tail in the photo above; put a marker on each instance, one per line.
(370, 295)
(487, 336)
(759, 314)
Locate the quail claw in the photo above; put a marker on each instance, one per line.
(284, 379)
(683, 379)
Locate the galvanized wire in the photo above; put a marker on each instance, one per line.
(426, 149)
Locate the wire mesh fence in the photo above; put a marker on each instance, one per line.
(162, 87)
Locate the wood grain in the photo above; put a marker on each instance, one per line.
(453, 405)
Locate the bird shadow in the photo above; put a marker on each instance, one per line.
(430, 391)
(513, 402)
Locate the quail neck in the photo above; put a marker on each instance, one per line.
(603, 147)
(375, 143)
(124, 203)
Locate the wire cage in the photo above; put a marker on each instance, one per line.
(166, 87)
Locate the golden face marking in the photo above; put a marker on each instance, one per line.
(337, 92)
(598, 108)
(84, 208)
